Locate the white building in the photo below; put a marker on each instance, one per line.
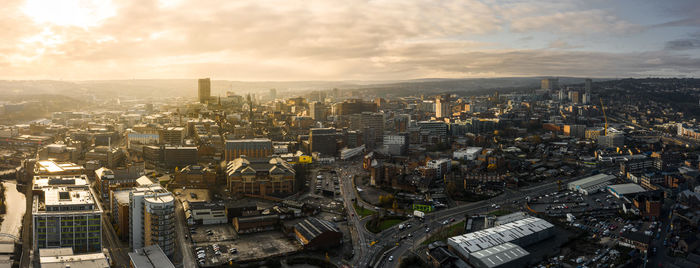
(469, 153)
(591, 184)
(152, 215)
(441, 166)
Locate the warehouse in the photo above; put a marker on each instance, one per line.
(315, 233)
(591, 184)
(505, 255)
(521, 232)
(619, 190)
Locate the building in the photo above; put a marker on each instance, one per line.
(172, 135)
(441, 166)
(323, 141)
(372, 124)
(469, 153)
(107, 180)
(178, 156)
(354, 106)
(523, 233)
(195, 176)
(204, 90)
(442, 106)
(550, 84)
(149, 257)
(687, 131)
(396, 144)
(502, 256)
(254, 148)
(66, 213)
(317, 111)
(152, 218)
(260, 176)
(574, 96)
(261, 223)
(107, 156)
(591, 184)
(436, 129)
(620, 190)
(65, 258)
(120, 206)
(50, 167)
(578, 131)
(204, 213)
(314, 233)
(593, 133)
(611, 140)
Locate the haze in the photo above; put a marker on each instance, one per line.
(347, 40)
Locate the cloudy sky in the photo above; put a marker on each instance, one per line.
(347, 39)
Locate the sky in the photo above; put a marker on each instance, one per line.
(273, 40)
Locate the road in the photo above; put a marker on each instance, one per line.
(185, 245)
(434, 220)
(360, 236)
(110, 240)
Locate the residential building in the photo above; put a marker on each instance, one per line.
(441, 166)
(152, 218)
(442, 106)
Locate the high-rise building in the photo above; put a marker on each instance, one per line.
(574, 96)
(323, 140)
(204, 90)
(354, 106)
(317, 111)
(172, 135)
(442, 106)
(66, 214)
(550, 84)
(152, 215)
(373, 125)
(588, 85)
(273, 93)
(254, 148)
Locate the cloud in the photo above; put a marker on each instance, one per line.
(692, 42)
(561, 44)
(318, 39)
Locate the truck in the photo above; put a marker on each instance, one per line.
(419, 214)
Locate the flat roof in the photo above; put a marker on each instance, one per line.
(58, 196)
(92, 260)
(592, 180)
(499, 255)
(627, 188)
(487, 238)
(150, 257)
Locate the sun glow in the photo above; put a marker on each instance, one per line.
(80, 13)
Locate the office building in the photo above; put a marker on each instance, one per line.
(587, 85)
(323, 141)
(260, 176)
(612, 140)
(578, 131)
(197, 176)
(441, 166)
(254, 148)
(469, 153)
(396, 144)
(204, 213)
(273, 93)
(372, 124)
(65, 213)
(354, 106)
(574, 97)
(172, 135)
(65, 258)
(204, 90)
(442, 106)
(179, 156)
(550, 84)
(152, 218)
(317, 111)
(50, 167)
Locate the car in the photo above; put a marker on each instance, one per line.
(410, 235)
(427, 230)
(391, 258)
(452, 219)
(233, 250)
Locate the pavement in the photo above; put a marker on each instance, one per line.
(185, 245)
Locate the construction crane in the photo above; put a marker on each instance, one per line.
(604, 116)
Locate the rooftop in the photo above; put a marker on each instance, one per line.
(150, 257)
(487, 238)
(312, 227)
(499, 255)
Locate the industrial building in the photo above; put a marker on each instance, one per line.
(591, 184)
(505, 255)
(619, 190)
(204, 213)
(522, 233)
(314, 233)
(65, 213)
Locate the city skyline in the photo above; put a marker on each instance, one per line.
(347, 40)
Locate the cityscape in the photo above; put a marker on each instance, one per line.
(364, 134)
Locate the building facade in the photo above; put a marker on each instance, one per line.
(260, 176)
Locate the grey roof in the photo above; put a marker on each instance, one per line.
(150, 257)
(476, 241)
(627, 188)
(498, 255)
(313, 227)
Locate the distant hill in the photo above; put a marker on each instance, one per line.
(145, 88)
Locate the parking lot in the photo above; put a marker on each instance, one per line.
(207, 239)
(558, 204)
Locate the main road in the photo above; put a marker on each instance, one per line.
(360, 236)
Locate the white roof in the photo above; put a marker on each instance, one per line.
(592, 180)
(487, 238)
(499, 255)
(627, 188)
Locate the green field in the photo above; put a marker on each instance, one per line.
(362, 212)
(446, 232)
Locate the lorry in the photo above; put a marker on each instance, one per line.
(419, 214)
